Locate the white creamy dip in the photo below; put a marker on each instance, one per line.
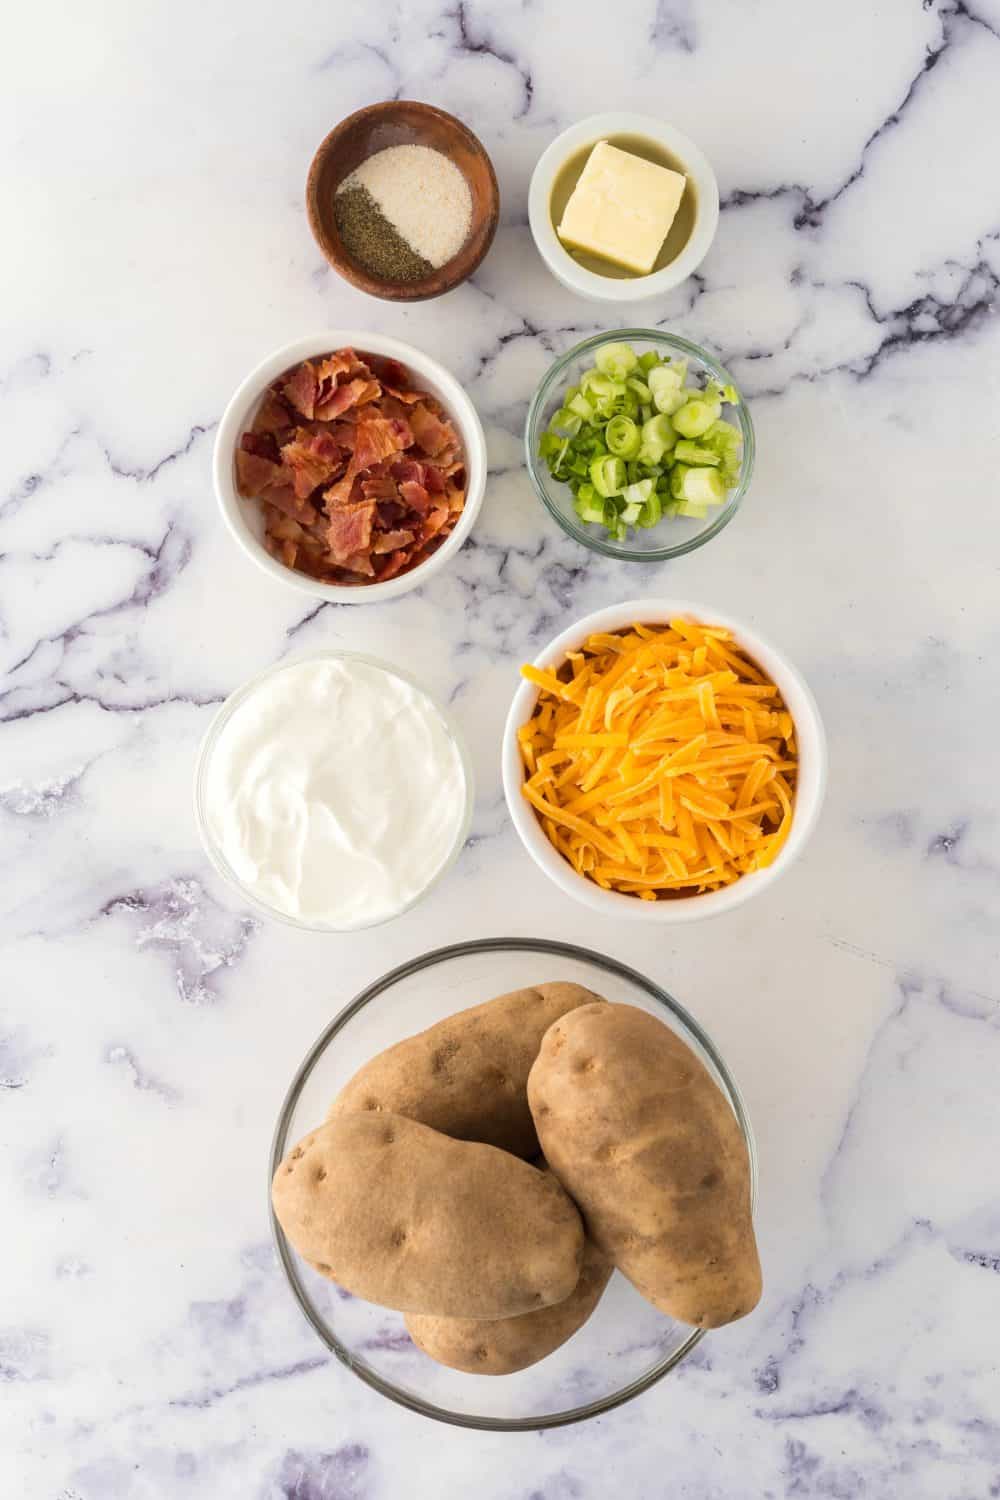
(335, 792)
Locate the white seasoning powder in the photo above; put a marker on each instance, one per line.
(423, 195)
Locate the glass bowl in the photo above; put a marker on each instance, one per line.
(674, 535)
(627, 1346)
(218, 724)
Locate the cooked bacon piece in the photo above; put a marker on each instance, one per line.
(300, 389)
(389, 566)
(255, 474)
(382, 487)
(455, 497)
(432, 435)
(341, 362)
(272, 415)
(390, 513)
(415, 495)
(350, 529)
(311, 459)
(380, 437)
(284, 499)
(343, 397)
(360, 562)
(408, 468)
(408, 398)
(263, 444)
(439, 517)
(391, 541)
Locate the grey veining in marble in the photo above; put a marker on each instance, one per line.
(155, 247)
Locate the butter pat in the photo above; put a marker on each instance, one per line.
(622, 208)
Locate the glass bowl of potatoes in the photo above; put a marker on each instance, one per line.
(625, 1345)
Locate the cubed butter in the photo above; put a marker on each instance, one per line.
(622, 208)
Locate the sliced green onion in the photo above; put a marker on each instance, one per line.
(698, 486)
(639, 492)
(589, 506)
(652, 511)
(607, 475)
(622, 437)
(565, 423)
(696, 416)
(658, 437)
(666, 384)
(692, 453)
(580, 407)
(617, 360)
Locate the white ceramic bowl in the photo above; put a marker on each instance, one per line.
(808, 796)
(245, 519)
(608, 288)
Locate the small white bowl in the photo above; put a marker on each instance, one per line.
(245, 519)
(809, 792)
(609, 288)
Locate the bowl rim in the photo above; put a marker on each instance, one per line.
(244, 401)
(629, 289)
(810, 791)
(437, 283)
(552, 948)
(618, 550)
(220, 719)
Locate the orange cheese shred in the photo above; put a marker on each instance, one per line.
(660, 760)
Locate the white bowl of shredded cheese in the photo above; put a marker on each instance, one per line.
(332, 792)
(809, 791)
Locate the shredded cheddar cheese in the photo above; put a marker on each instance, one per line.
(660, 761)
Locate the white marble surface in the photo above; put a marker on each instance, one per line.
(155, 246)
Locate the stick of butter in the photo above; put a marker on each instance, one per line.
(622, 208)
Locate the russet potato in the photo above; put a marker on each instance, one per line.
(402, 1215)
(504, 1345)
(646, 1144)
(467, 1076)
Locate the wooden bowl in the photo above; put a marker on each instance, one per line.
(402, 122)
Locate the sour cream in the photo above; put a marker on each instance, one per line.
(334, 792)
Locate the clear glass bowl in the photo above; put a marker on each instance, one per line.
(218, 724)
(627, 1345)
(674, 535)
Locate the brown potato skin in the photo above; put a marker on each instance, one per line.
(401, 1215)
(504, 1345)
(468, 1075)
(638, 1133)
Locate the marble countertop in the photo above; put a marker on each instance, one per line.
(155, 248)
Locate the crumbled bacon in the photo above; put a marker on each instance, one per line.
(272, 416)
(359, 476)
(343, 397)
(390, 541)
(254, 474)
(300, 389)
(311, 459)
(263, 444)
(432, 435)
(415, 495)
(350, 529)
